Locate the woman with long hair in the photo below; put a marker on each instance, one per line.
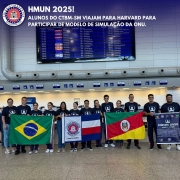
(59, 114)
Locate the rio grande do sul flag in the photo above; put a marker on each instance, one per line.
(125, 125)
(26, 130)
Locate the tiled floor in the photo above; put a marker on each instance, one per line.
(110, 163)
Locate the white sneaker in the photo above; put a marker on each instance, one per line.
(112, 145)
(71, 150)
(178, 147)
(75, 149)
(36, 151)
(51, 150)
(47, 151)
(106, 145)
(7, 151)
(30, 152)
(169, 147)
(59, 150)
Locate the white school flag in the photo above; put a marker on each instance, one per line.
(72, 129)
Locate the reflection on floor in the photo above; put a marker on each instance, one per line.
(110, 163)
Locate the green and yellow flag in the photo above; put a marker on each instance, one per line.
(26, 130)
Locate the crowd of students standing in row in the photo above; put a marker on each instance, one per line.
(150, 108)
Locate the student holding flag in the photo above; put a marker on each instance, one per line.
(98, 110)
(6, 113)
(35, 112)
(59, 114)
(118, 109)
(23, 110)
(150, 109)
(170, 107)
(132, 106)
(107, 107)
(49, 112)
(74, 112)
(86, 111)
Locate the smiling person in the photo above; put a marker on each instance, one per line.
(49, 112)
(23, 110)
(150, 109)
(35, 112)
(6, 113)
(59, 114)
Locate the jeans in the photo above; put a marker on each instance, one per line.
(6, 136)
(59, 130)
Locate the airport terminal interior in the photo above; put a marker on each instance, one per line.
(72, 63)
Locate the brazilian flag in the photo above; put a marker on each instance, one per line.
(26, 130)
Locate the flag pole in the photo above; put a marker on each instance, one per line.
(63, 121)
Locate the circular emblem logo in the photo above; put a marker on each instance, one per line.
(13, 15)
(125, 126)
(73, 128)
(30, 129)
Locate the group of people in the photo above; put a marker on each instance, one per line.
(150, 108)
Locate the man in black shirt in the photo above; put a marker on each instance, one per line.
(107, 107)
(23, 110)
(86, 111)
(98, 110)
(150, 109)
(35, 112)
(6, 113)
(132, 106)
(170, 107)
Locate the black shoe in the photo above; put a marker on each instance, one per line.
(137, 146)
(17, 152)
(128, 147)
(90, 148)
(159, 147)
(23, 150)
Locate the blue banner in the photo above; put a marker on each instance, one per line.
(168, 129)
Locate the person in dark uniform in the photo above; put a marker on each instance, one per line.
(59, 114)
(86, 111)
(118, 109)
(98, 110)
(74, 112)
(107, 107)
(170, 107)
(132, 106)
(6, 113)
(35, 112)
(23, 110)
(150, 109)
(49, 112)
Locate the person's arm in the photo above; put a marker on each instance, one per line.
(112, 107)
(125, 108)
(29, 111)
(4, 122)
